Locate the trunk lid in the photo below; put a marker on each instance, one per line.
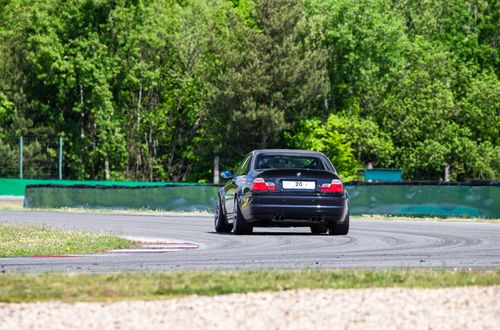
(297, 181)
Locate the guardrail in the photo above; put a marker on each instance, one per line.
(17, 187)
(376, 198)
(166, 197)
(426, 199)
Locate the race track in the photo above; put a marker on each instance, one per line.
(370, 244)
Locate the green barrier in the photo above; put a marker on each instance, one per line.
(169, 198)
(428, 200)
(390, 199)
(17, 187)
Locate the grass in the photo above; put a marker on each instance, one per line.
(11, 205)
(26, 240)
(112, 287)
(18, 206)
(388, 217)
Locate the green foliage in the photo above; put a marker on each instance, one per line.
(154, 90)
(370, 143)
(366, 41)
(430, 124)
(8, 160)
(5, 114)
(330, 138)
(270, 78)
(480, 107)
(350, 142)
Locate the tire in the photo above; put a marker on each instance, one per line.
(240, 226)
(318, 229)
(340, 228)
(220, 221)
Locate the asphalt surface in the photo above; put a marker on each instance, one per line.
(370, 244)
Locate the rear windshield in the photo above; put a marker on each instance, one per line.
(264, 161)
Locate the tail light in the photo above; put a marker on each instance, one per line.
(334, 187)
(259, 184)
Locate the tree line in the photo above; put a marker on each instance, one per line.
(153, 90)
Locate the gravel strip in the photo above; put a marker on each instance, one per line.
(455, 308)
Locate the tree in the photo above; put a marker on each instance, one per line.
(365, 43)
(350, 142)
(479, 107)
(328, 137)
(152, 90)
(429, 124)
(469, 27)
(270, 78)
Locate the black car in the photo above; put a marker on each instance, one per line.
(283, 188)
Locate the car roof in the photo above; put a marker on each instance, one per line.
(288, 151)
(293, 152)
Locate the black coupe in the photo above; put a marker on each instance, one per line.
(283, 188)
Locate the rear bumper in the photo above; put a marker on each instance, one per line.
(289, 210)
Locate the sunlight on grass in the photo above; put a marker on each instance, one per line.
(111, 287)
(25, 240)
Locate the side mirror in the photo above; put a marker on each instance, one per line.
(226, 175)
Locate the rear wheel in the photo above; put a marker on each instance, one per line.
(318, 229)
(340, 228)
(240, 226)
(220, 221)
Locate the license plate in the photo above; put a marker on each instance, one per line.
(299, 185)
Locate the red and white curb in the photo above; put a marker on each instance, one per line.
(148, 245)
(155, 245)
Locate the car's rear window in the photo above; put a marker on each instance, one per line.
(264, 161)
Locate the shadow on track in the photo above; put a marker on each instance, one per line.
(269, 233)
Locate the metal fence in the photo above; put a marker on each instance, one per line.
(391, 199)
(31, 157)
